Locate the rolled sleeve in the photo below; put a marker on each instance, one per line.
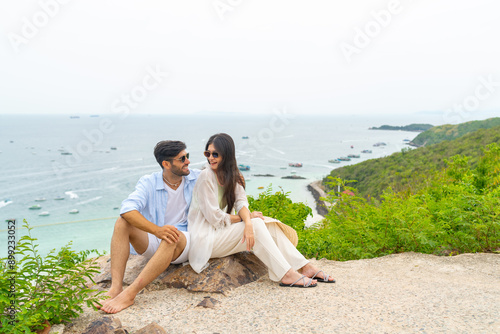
(137, 200)
(241, 198)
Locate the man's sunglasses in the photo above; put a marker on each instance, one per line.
(214, 154)
(183, 158)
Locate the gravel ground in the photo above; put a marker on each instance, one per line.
(403, 293)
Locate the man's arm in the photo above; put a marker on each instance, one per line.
(168, 233)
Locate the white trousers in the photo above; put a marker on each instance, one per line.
(272, 247)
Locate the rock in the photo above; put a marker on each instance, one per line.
(104, 325)
(152, 328)
(59, 329)
(317, 191)
(208, 302)
(221, 276)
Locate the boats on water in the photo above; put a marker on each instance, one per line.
(59, 198)
(295, 164)
(44, 213)
(40, 199)
(261, 187)
(243, 167)
(244, 137)
(353, 156)
(66, 153)
(282, 167)
(366, 151)
(379, 144)
(113, 148)
(345, 159)
(74, 211)
(264, 175)
(334, 161)
(35, 207)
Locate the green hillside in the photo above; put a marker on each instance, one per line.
(441, 133)
(405, 169)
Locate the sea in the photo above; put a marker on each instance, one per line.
(91, 163)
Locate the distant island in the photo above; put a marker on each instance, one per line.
(411, 127)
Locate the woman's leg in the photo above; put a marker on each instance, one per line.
(228, 241)
(293, 256)
(290, 253)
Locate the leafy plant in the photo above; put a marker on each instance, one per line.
(279, 206)
(35, 289)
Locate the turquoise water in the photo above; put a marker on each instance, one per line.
(96, 178)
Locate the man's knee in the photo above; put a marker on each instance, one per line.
(181, 243)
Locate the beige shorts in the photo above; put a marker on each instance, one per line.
(154, 243)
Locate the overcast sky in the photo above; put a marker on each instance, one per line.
(315, 56)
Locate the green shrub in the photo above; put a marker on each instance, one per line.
(35, 289)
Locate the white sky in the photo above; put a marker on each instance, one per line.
(251, 56)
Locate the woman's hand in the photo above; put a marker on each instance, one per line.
(257, 214)
(248, 236)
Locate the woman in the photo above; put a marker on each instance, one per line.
(215, 232)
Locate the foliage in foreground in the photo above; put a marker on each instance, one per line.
(454, 211)
(35, 289)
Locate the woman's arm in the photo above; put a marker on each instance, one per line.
(248, 232)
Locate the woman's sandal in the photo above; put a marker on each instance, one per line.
(325, 278)
(306, 285)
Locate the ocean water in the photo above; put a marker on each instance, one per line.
(110, 153)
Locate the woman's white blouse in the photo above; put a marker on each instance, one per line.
(206, 216)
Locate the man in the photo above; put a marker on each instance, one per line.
(154, 221)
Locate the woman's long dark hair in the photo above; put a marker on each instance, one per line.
(227, 171)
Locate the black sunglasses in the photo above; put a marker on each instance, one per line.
(214, 154)
(183, 158)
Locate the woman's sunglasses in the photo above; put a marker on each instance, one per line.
(214, 154)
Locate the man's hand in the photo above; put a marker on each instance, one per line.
(168, 233)
(256, 214)
(248, 236)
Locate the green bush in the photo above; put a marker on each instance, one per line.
(35, 289)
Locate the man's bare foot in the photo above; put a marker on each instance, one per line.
(309, 270)
(111, 293)
(293, 277)
(120, 302)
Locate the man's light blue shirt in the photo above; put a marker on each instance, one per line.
(150, 198)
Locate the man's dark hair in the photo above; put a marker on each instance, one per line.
(168, 149)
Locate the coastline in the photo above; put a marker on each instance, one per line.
(317, 190)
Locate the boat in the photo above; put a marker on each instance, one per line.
(66, 153)
(406, 140)
(293, 177)
(74, 211)
(35, 207)
(74, 116)
(59, 198)
(334, 161)
(379, 144)
(345, 159)
(366, 151)
(44, 213)
(260, 187)
(243, 167)
(40, 199)
(265, 175)
(295, 164)
(113, 148)
(353, 155)
(244, 137)
(282, 167)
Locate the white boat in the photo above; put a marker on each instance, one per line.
(74, 211)
(40, 199)
(59, 198)
(35, 207)
(44, 213)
